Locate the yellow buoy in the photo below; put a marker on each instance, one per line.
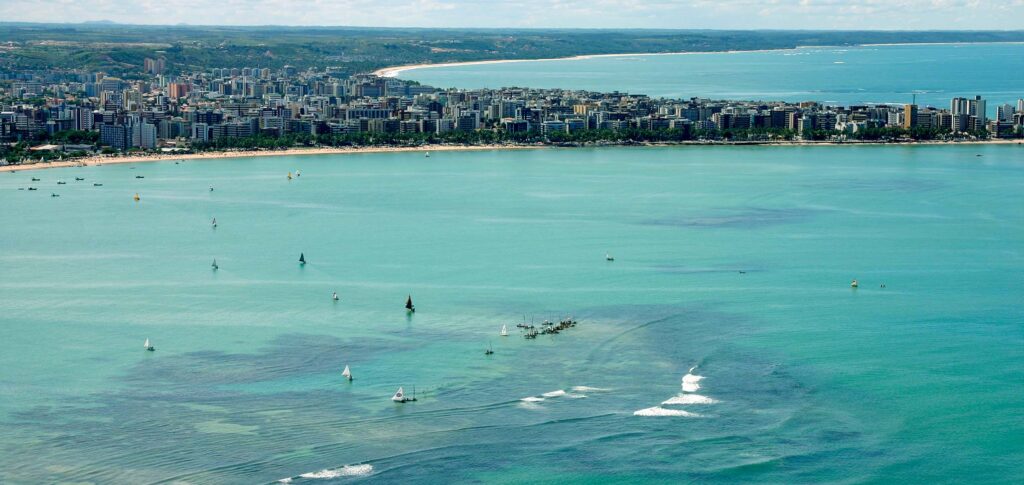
(136, 197)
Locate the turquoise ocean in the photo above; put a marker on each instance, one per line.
(732, 267)
(834, 75)
(723, 344)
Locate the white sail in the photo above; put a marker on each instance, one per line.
(399, 396)
(146, 345)
(347, 373)
(504, 331)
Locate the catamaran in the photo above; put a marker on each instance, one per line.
(504, 331)
(409, 307)
(346, 373)
(401, 397)
(302, 258)
(148, 346)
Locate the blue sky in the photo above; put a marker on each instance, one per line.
(683, 14)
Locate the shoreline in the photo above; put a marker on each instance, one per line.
(99, 160)
(395, 71)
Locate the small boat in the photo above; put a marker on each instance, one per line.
(214, 265)
(504, 331)
(33, 179)
(608, 257)
(97, 185)
(54, 195)
(211, 188)
(79, 179)
(302, 258)
(214, 222)
(32, 188)
(61, 182)
(854, 284)
(289, 175)
(136, 197)
(428, 154)
(409, 307)
(347, 374)
(139, 177)
(401, 397)
(148, 346)
(335, 296)
(298, 173)
(489, 350)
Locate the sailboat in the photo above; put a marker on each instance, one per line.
(348, 374)
(297, 173)
(428, 154)
(289, 175)
(504, 331)
(401, 397)
(214, 265)
(214, 222)
(211, 188)
(302, 258)
(609, 257)
(148, 346)
(136, 197)
(489, 350)
(335, 298)
(409, 307)
(854, 284)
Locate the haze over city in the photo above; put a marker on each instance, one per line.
(687, 14)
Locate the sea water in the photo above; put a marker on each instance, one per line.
(723, 344)
(929, 74)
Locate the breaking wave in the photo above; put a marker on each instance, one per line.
(691, 382)
(689, 399)
(328, 473)
(660, 411)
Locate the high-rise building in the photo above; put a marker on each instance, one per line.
(976, 108)
(1004, 112)
(909, 116)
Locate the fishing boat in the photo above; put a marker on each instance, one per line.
(347, 374)
(409, 307)
(302, 258)
(608, 257)
(214, 265)
(335, 296)
(401, 397)
(136, 197)
(854, 284)
(504, 331)
(148, 346)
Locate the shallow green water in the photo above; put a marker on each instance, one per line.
(917, 382)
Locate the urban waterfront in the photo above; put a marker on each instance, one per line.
(731, 263)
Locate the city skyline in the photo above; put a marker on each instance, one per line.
(577, 14)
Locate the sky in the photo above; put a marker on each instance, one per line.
(662, 14)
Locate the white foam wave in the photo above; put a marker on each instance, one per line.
(691, 382)
(590, 389)
(660, 411)
(575, 396)
(557, 393)
(532, 399)
(689, 399)
(345, 471)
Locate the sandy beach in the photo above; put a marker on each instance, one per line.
(113, 159)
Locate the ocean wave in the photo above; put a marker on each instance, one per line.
(532, 399)
(691, 382)
(589, 389)
(328, 473)
(557, 393)
(689, 399)
(660, 411)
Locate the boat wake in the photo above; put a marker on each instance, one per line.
(660, 411)
(328, 473)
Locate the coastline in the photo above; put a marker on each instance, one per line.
(109, 160)
(395, 71)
